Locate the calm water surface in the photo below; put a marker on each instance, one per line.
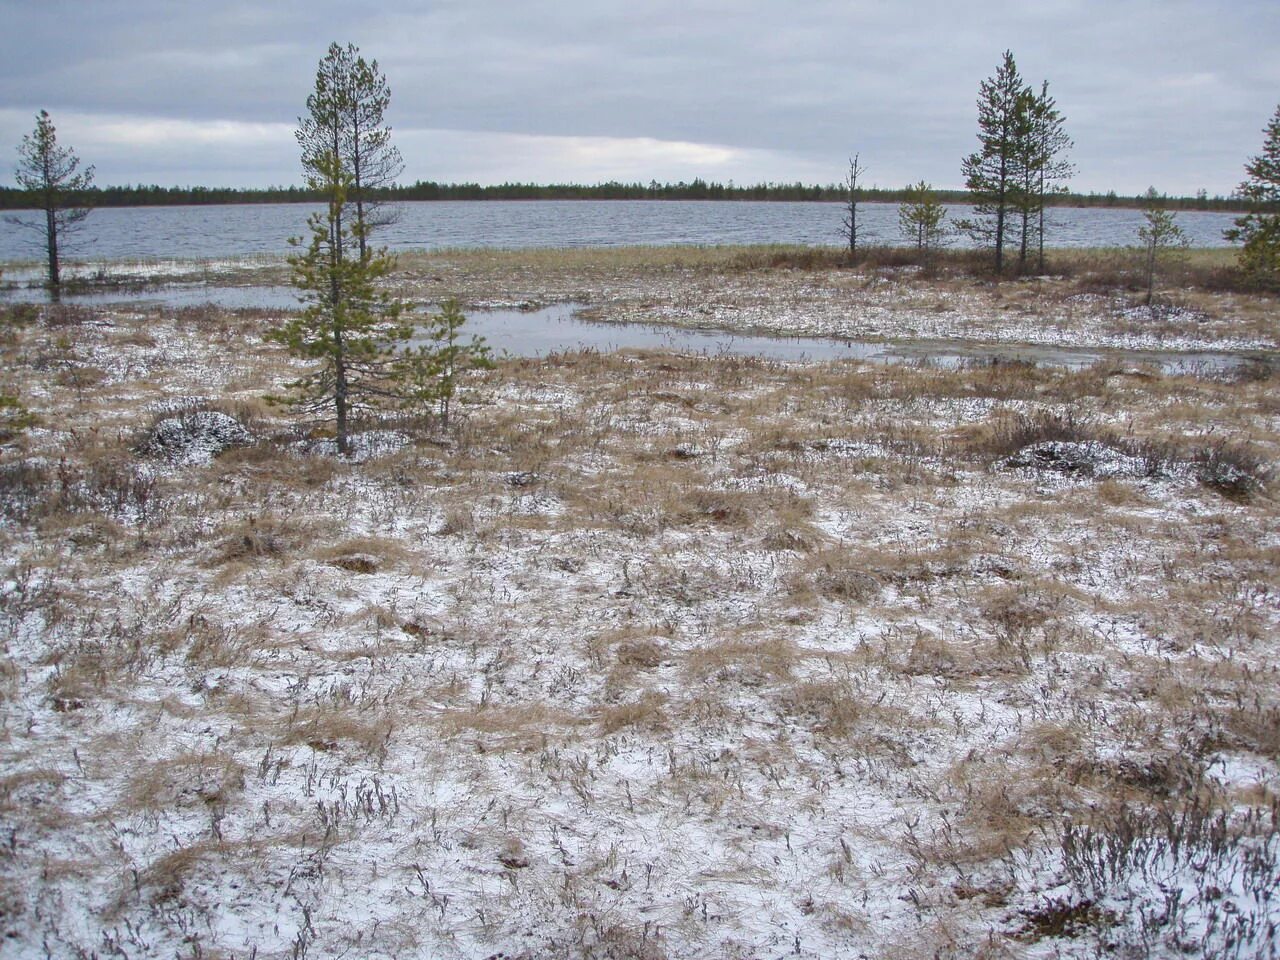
(208, 232)
(557, 328)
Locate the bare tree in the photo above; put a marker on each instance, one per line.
(856, 170)
(51, 175)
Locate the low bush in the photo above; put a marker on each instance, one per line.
(1234, 470)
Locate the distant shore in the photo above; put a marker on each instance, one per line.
(152, 195)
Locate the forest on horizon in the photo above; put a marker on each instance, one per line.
(141, 195)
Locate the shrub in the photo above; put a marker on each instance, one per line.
(1234, 471)
(14, 417)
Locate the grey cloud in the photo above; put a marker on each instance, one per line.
(816, 80)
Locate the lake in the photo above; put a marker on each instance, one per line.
(209, 232)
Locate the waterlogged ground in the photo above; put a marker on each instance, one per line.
(742, 289)
(651, 656)
(761, 290)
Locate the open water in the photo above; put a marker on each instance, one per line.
(215, 232)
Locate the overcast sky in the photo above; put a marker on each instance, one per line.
(1170, 93)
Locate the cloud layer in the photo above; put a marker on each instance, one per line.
(1171, 93)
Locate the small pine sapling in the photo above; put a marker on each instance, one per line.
(1160, 237)
(920, 218)
(14, 417)
(429, 373)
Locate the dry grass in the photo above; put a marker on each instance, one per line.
(651, 647)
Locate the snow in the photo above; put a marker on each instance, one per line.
(558, 713)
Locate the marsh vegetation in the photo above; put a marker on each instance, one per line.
(650, 654)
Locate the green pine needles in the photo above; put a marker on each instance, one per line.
(15, 418)
(348, 326)
(51, 175)
(1160, 236)
(1022, 142)
(1259, 231)
(429, 373)
(921, 217)
(362, 342)
(355, 334)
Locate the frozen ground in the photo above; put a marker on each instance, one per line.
(653, 657)
(737, 289)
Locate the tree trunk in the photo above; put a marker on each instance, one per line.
(340, 397)
(357, 184)
(1000, 234)
(51, 237)
(1151, 271)
(1022, 250)
(1002, 198)
(1040, 235)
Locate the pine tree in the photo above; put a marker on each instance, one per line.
(346, 118)
(1024, 198)
(429, 374)
(1160, 235)
(993, 173)
(920, 218)
(348, 326)
(1260, 229)
(1041, 141)
(52, 175)
(1050, 142)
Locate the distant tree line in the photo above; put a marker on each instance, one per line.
(156, 196)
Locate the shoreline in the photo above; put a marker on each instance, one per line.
(755, 290)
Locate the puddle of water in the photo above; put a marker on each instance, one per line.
(533, 333)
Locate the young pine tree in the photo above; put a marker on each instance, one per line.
(1049, 141)
(920, 219)
(51, 174)
(429, 374)
(1260, 229)
(993, 173)
(348, 327)
(1160, 236)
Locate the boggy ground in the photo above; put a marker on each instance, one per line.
(653, 656)
(1086, 298)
